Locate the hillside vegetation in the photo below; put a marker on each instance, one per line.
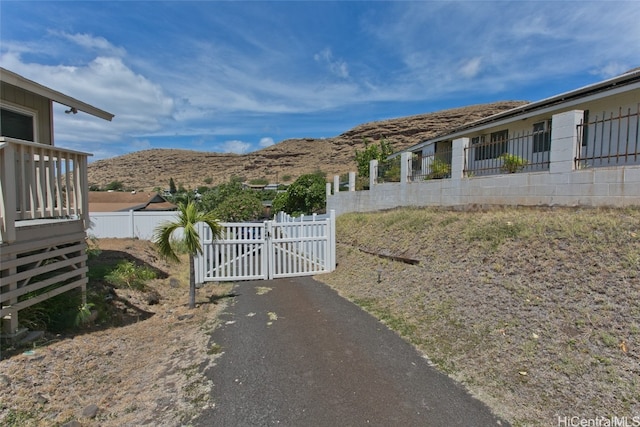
(535, 310)
(148, 169)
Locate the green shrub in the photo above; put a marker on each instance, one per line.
(128, 274)
(512, 163)
(84, 314)
(115, 186)
(372, 152)
(439, 169)
(56, 314)
(259, 181)
(92, 247)
(389, 170)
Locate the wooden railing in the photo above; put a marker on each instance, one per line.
(39, 181)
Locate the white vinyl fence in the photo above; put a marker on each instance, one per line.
(141, 225)
(131, 224)
(285, 247)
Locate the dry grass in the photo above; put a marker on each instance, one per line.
(535, 310)
(144, 365)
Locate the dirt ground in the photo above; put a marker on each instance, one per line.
(149, 371)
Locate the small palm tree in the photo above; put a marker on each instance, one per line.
(188, 217)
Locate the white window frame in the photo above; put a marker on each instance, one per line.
(25, 111)
(493, 149)
(544, 133)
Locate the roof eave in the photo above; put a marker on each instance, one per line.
(619, 81)
(31, 86)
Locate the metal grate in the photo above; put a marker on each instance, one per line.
(609, 141)
(526, 152)
(432, 166)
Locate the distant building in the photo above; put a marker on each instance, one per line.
(260, 187)
(120, 201)
(257, 187)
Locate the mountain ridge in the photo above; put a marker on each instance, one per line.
(149, 169)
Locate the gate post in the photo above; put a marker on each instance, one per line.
(199, 260)
(332, 240)
(373, 173)
(132, 224)
(268, 257)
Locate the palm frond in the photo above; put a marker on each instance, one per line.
(188, 218)
(162, 239)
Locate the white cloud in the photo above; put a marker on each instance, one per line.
(471, 68)
(106, 82)
(337, 67)
(532, 43)
(612, 69)
(241, 76)
(266, 142)
(235, 146)
(93, 43)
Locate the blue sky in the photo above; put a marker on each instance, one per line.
(237, 76)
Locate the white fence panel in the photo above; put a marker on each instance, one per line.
(238, 254)
(300, 247)
(132, 224)
(285, 247)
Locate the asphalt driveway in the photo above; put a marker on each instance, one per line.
(297, 354)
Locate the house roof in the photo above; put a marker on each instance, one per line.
(254, 186)
(617, 84)
(31, 86)
(120, 201)
(624, 82)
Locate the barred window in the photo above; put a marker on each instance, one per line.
(585, 127)
(493, 149)
(541, 136)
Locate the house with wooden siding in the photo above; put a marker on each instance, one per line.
(43, 199)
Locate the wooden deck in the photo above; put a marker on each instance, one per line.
(43, 217)
(47, 259)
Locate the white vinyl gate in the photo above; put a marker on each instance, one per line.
(284, 247)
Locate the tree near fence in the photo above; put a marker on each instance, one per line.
(378, 152)
(306, 195)
(244, 206)
(188, 217)
(231, 202)
(371, 151)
